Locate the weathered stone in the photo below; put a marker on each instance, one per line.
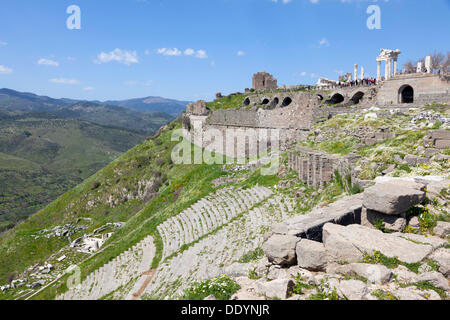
(403, 275)
(442, 229)
(344, 212)
(435, 188)
(280, 249)
(392, 199)
(311, 255)
(347, 244)
(239, 270)
(410, 293)
(352, 289)
(372, 272)
(370, 218)
(435, 278)
(416, 160)
(247, 291)
(276, 272)
(414, 222)
(434, 242)
(210, 298)
(280, 288)
(442, 259)
(304, 274)
(442, 144)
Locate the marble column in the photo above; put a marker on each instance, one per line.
(378, 70)
(356, 73)
(386, 70)
(390, 68)
(362, 73)
(395, 67)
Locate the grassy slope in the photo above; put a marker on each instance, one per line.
(42, 158)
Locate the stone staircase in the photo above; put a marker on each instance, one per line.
(207, 215)
(116, 273)
(210, 256)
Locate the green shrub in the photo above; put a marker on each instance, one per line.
(222, 288)
(252, 256)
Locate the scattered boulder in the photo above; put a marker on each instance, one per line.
(372, 272)
(280, 249)
(276, 272)
(435, 278)
(280, 288)
(409, 293)
(414, 161)
(311, 255)
(403, 275)
(442, 259)
(352, 289)
(392, 199)
(304, 274)
(414, 222)
(442, 229)
(347, 244)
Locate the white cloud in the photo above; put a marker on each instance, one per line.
(314, 1)
(3, 43)
(88, 88)
(121, 56)
(48, 62)
(169, 52)
(240, 53)
(64, 81)
(5, 70)
(189, 52)
(175, 52)
(303, 74)
(324, 43)
(201, 54)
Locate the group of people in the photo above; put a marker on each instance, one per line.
(355, 83)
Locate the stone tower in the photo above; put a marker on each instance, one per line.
(264, 81)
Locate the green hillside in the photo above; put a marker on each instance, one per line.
(42, 158)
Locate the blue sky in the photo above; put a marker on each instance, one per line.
(191, 49)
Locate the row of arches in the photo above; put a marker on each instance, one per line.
(268, 104)
(405, 95)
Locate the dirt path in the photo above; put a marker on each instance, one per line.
(149, 276)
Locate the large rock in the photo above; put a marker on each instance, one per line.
(280, 249)
(392, 198)
(352, 289)
(435, 278)
(280, 288)
(372, 272)
(344, 212)
(442, 229)
(311, 255)
(348, 244)
(442, 259)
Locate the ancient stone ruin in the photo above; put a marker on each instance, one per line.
(264, 81)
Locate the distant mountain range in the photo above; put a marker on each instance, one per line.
(172, 107)
(131, 114)
(48, 146)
